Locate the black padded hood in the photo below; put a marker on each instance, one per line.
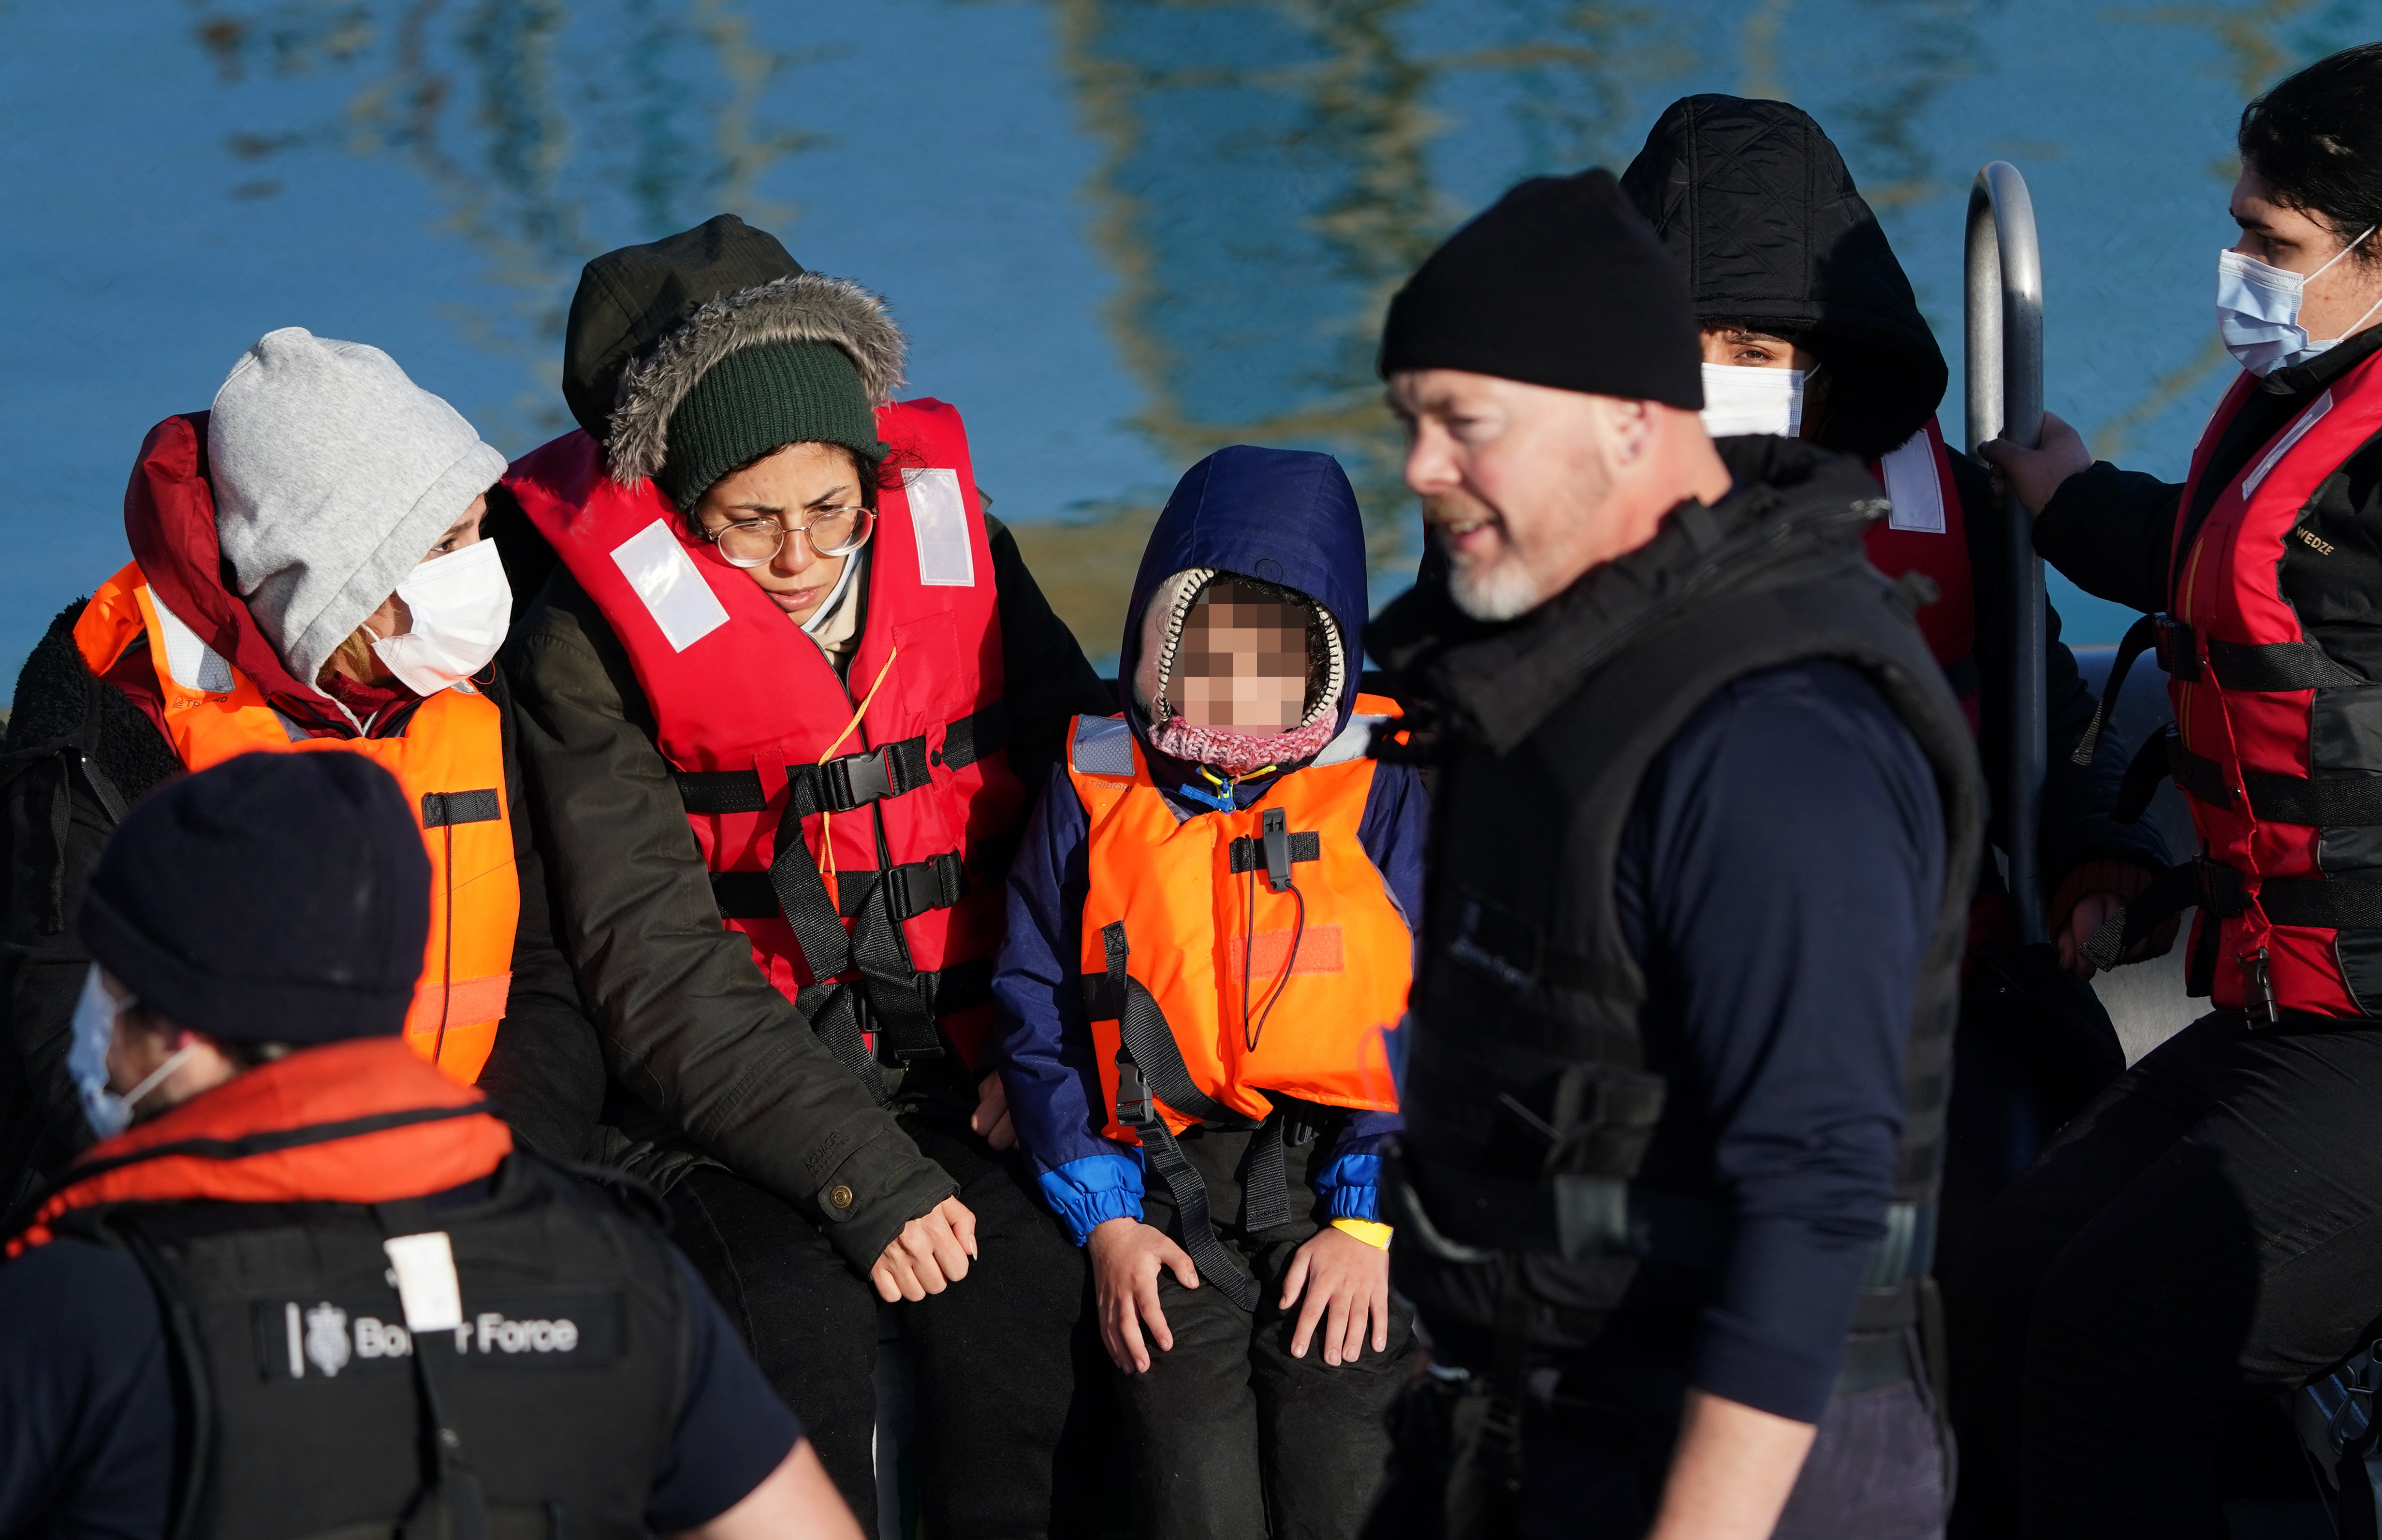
(1757, 205)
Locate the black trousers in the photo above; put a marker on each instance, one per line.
(1016, 1418)
(2208, 1231)
(1232, 1437)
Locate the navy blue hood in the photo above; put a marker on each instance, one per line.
(1279, 516)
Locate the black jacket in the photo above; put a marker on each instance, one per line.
(1758, 204)
(78, 753)
(709, 1061)
(1548, 1050)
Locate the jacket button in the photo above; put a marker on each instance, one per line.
(838, 1196)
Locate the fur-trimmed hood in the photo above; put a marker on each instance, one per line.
(802, 307)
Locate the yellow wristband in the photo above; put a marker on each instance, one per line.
(1371, 1232)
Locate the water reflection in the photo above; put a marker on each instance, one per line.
(1269, 170)
(536, 121)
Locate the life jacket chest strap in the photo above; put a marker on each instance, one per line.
(852, 781)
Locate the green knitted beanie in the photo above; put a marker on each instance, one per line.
(759, 399)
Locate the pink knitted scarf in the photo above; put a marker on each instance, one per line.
(1237, 754)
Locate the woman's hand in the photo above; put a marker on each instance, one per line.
(2037, 473)
(1126, 1257)
(991, 1117)
(1348, 1284)
(929, 1255)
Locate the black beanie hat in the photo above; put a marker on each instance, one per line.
(1561, 283)
(280, 898)
(630, 299)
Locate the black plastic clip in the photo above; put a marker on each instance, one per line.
(1134, 1105)
(2259, 985)
(1276, 824)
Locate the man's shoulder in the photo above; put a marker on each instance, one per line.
(1815, 732)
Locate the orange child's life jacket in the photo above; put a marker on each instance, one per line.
(1323, 972)
(448, 759)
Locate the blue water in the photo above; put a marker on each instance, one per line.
(1119, 234)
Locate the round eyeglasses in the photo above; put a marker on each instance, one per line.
(755, 541)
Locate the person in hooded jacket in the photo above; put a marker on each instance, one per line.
(1210, 927)
(308, 573)
(780, 686)
(1810, 330)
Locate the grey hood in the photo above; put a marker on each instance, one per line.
(334, 475)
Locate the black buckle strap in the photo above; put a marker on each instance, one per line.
(917, 887)
(852, 781)
(1249, 854)
(1150, 1069)
(2177, 647)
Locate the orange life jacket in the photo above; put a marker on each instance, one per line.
(1185, 910)
(288, 1133)
(448, 759)
(907, 760)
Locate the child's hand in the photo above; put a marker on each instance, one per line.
(991, 1117)
(1127, 1256)
(1348, 1278)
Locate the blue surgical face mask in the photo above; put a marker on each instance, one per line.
(95, 1011)
(2258, 311)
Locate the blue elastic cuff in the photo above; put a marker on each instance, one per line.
(1087, 1192)
(1352, 1185)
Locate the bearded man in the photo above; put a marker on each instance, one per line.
(1705, 827)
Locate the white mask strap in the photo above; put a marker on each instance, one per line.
(150, 1082)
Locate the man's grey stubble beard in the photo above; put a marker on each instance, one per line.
(1500, 591)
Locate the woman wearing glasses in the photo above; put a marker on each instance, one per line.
(782, 692)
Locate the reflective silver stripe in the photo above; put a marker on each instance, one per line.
(194, 664)
(1352, 742)
(1103, 745)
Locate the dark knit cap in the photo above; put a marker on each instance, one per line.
(631, 298)
(759, 399)
(1561, 283)
(274, 898)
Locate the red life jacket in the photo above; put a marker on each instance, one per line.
(363, 1121)
(2266, 723)
(766, 737)
(2272, 738)
(1927, 532)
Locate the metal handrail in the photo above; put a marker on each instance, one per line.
(2005, 372)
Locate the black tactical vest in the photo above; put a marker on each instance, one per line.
(1532, 1094)
(310, 1413)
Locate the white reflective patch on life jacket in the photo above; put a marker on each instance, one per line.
(426, 1284)
(1915, 496)
(1103, 745)
(939, 519)
(675, 594)
(2308, 419)
(194, 664)
(1351, 741)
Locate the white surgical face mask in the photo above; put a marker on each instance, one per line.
(1739, 399)
(461, 606)
(95, 1011)
(2258, 311)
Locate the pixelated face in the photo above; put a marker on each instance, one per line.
(1241, 663)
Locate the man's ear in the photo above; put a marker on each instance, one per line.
(1628, 429)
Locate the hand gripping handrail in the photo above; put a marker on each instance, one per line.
(2005, 388)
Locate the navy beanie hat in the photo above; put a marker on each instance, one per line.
(277, 897)
(1561, 283)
